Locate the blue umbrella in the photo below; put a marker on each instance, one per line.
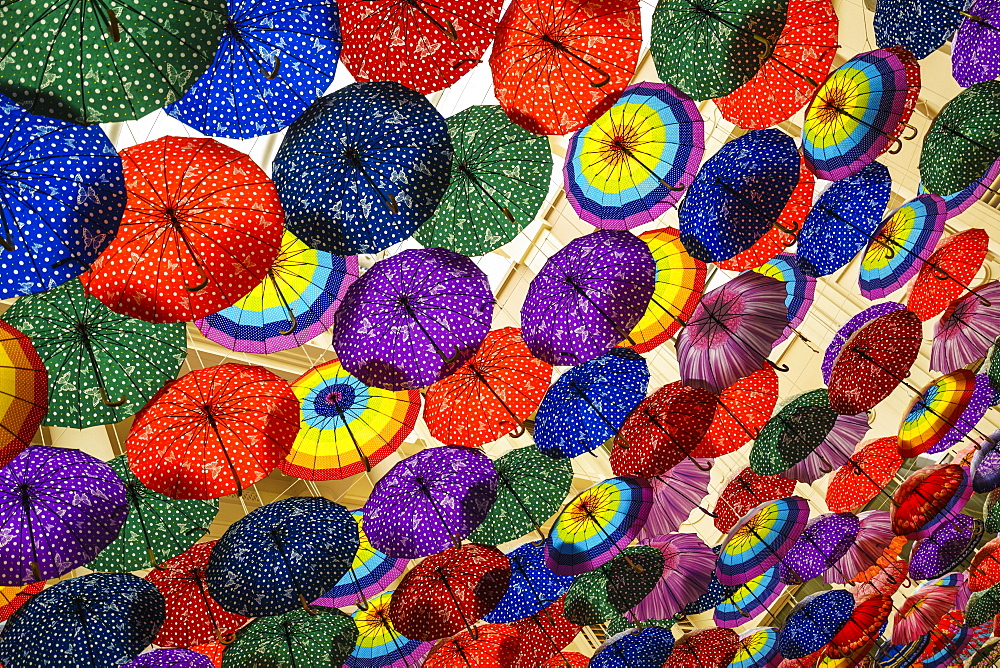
(171, 658)
(61, 199)
(100, 619)
(589, 403)
(919, 26)
(738, 194)
(363, 168)
(274, 59)
(282, 555)
(814, 622)
(901, 656)
(843, 220)
(647, 647)
(532, 587)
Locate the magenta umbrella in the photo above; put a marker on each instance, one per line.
(874, 535)
(833, 452)
(688, 564)
(966, 329)
(675, 494)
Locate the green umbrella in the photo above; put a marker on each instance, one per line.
(157, 527)
(993, 371)
(963, 140)
(991, 512)
(793, 434)
(96, 62)
(605, 593)
(296, 639)
(982, 606)
(709, 48)
(622, 623)
(531, 488)
(103, 367)
(500, 176)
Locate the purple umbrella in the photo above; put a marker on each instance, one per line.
(853, 325)
(413, 319)
(731, 332)
(975, 53)
(675, 494)
(58, 508)
(170, 658)
(687, 571)
(985, 468)
(947, 546)
(967, 329)
(974, 411)
(588, 297)
(835, 450)
(824, 542)
(874, 535)
(430, 501)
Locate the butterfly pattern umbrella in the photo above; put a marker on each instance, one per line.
(974, 55)
(21, 370)
(321, 637)
(532, 587)
(944, 277)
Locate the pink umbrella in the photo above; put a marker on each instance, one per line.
(885, 582)
(874, 536)
(967, 329)
(921, 612)
(675, 494)
(687, 572)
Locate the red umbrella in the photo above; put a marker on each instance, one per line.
(707, 648)
(864, 477)
(874, 361)
(567, 660)
(212, 650)
(494, 646)
(663, 430)
(193, 616)
(12, 598)
(945, 275)
(861, 631)
(912, 68)
(925, 499)
(213, 432)
(449, 592)
(745, 492)
(984, 571)
(742, 411)
(557, 66)
(490, 395)
(544, 635)
(202, 227)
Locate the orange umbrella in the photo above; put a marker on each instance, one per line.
(25, 393)
(945, 275)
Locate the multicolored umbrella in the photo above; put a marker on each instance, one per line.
(963, 140)
(646, 647)
(347, 427)
(921, 612)
(944, 277)
(630, 165)
(928, 497)
(379, 645)
(967, 329)
(743, 409)
(12, 598)
(855, 323)
(959, 202)
(749, 600)
(935, 412)
(744, 492)
(493, 645)
(761, 538)
(823, 543)
(597, 596)
(973, 57)
(675, 494)
(23, 374)
(322, 637)
(814, 622)
(758, 648)
(949, 545)
(688, 565)
(864, 476)
(704, 648)
(532, 586)
(800, 289)
(170, 658)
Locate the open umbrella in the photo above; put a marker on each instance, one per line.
(761, 538)
(856, 322)
(967, 329)
(825, 540)
(949, 545)
(928, 497)
(688, 565)
(12, 598)
(864, 476)
(883, 579)
(675, 494)
(23, 374)
(963, 141)
(212, 650)
(744, 492)
(323, 637)
(984, 569)
(532, 586)
(597, 596)
(379, 645)
(567, 660)
(982, 606)
(985, 467)
(814, 622)
(758, 648)
(544, 635)
(646, 647)
(170, 658)
(935, 412)
(960, 202)
(800, 289)
(920, 26)
(874, 551)
(861, 632)
(704, 648)
(947, 273)
(742, 410)
(973, 56)
(921, 611)
(749, 599)
(493, 645)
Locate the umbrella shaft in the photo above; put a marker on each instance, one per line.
(475, 181)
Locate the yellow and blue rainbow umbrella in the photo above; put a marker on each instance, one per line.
(379, 645)
(800, 289)
(945, 411)
(760, 539)
(750, 600)
(758, 648)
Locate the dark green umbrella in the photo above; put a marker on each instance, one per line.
(500, 176)
(982, 606)
(103, 367)
(609, 591)
(531, 488)
(96, 62)
(793, 434)
(709, 48)
(991, 512)
(157, 527)
(296, 639)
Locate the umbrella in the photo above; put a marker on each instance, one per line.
(347, 427)
(758, 648)
(825, 540)
(834, 450)
(113, 616)
(761, 538)
(799, 60)
(609, 590)
(688, 565)
(156, 527)
(413, 318)
(843, 220)
(532, 586)
(646, 647)
(983, 606)
(543, 635)
(362, 168)
(984, 570)
(744, 492)
(170, 658)
(731, 333)
(814, 622)
(973, 58)
(800, 289)
(955, 262)
(921, 611)
(959, 202)
(920, 26)
(379, 645)
(874, 549)
(293, 305)
(212, 650)
(949, 545)
(991, 512)
(954, 640)
(592, 529)
(901, 656)
(499, 179)
(324, 637)
(588, 404)
(213, 432)
(103, 366)
(967, 329)
(282, 555)
(493, 645)
(901, 245)
(675, 494)
(880, 580)
(370, 574)
(985, 466)
(935, 412)
(710, 50)
(559, 66)
(490, 395)
(201, 229)
(630, 165)
(23, 375)
(738, 194)
(927, 498)
(742, 411)
(12, 598)
(273, 59)
(704, 648)
(713, 596)
(857, 637)
(750, 599)
(193, 616)
(855, 323)
(531, 488)
(864, 476)
(60, 507)
(430, 500)
(54, 226)
(587, 297)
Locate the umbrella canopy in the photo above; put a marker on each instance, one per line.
(212, 650)
(170, 658)
(983, 606)
(322, 637)
(945, 275)
(985, 467)
(991, 511)
(609, 590)
(921, 611)
(947, 547)
(282, 555)
(714, 595)
(742, 411)
(646, 647)
(864, 476)
(974, 55)
(874, 550)
(272, 60)
(984, 570)
(23, 374)
(895, 24)
(675, 494)
(379, 645)
(744, 492)
(825, 540)
(749, 600)
(493, 645)
(934, 412)
(213, 432)
(761, 538)
(758, 648)
(959, 202)
(347, 427)
(12, 598)
(688, 565)
(558, 66)
(500, 176)
(738, 194)
(800, 289)
(532, 586)
(413, 318)
(967, 329)
(963, 141)
(857, 637)
(856, 322)
(544, 635)
(928, 497)
(293, 305)
(630, 165)
(705, 648)
(883, 579)
(587, 297)
(61, 507)
(814, 622)
(567, 660)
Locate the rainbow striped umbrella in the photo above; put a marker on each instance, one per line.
(379, 645)
(758, 648)
(294, 303)
(26, 394)
(935, 412)
(760, 539)
(750, 600)
(347, 426)
(800, 289)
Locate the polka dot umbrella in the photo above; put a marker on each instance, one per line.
(688, 565)
(646, 647)
(324, 637)
(928, 497)
(212, 650)
(814, 622)
(855, 323)
(984, 569)
(966, 329)
(532, 586)
(744, 492)
(201, 229)
(23, 374)
(597, 596)
(493, 645)
(379, 645)
(946, 548)
(742, 410)
(960, 202)
(544, 635)
(761, 539)
(944, 277)
(873, 553)
(974, 55)
(894, 24)
(935, 412)
(983, 606)
(864, 476)
(567, 660)
(558, 66)
(825, 540)
(273, 59)
(704, 648)
(985, 466)
(170, 658)
(758, 648)
(749, 600)
(362, 168)
(963, 141)
(12, 598)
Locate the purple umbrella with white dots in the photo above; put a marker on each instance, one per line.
(170, 658)
(825, 540)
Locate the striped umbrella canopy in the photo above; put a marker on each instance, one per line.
(758, 648)
(750, 599)
(934, 412)
(800, 289)
(379, 644)
(760, 539)
(967, 329)
(26, 399)
(12, 598)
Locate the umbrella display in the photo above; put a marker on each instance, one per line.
(599, 595)
(947, 547)
(758, 648)
(532, 586)
(379, 644)
(800, 289)
(749, 599)
(714, 595)
(744, 492)
(966, 329)
(688, 565)
(921, 612)
(864, 476)
(213, 432)
(675, 494)
(630, 165)
(963, 140)
(347, 427)
(742, 411)
(709, 648)
(934, 412)
(825, 540)
(25, 378)
(646, 647)
(761, 538)
(323, 637)
(412, 319)
(894, 24)
(493, 645)
(814, 622)
(985, 467)
(883, 579)
(499, 179)
(550, 74)
(973, 57)
(944, 277)
(928, 497)
(587, 297)
(170, 658)
(853, 324)
(959, 202)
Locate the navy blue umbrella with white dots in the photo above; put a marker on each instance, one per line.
(532, 586)
(814, 621)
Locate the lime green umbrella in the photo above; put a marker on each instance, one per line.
(103, 367)
(500, 176)
(301, 639)
(96, 62)
(793, 434)
(605, 593)
(157, 527)
(531, 488)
